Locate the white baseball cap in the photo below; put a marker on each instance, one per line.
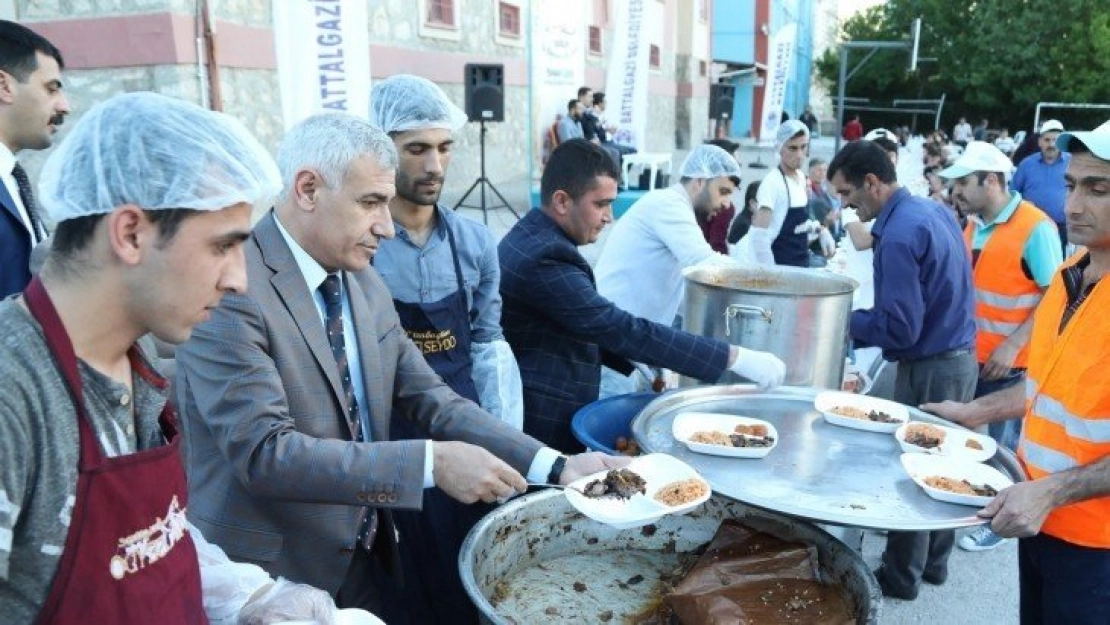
(1097, 140)
(880, 132)
(978, 156)
(1052, 125)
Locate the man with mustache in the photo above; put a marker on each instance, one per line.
(32, 106)
(442, 272)
(1060, 512)
(1040, 177)
(1015, 251)
(287, 391)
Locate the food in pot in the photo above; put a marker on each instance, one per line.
(971, 443)
(867, 415)
(756, 429)
(960, 487)
(924, 435)
(617, 483)
(682, 492)
(627, 446)
(724, 439)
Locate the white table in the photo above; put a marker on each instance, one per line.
(652, 160)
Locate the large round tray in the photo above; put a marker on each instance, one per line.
(818, 471)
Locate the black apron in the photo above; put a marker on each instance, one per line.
(789, 247)
(431, 538)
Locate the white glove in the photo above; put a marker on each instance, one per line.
(760, 241)
(286, 601)
(809, 226)
(848, 216)
(828, 244)
(763, 368)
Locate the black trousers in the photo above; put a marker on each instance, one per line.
(909, 555)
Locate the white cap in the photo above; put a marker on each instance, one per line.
(1097, 141)
(1052, 125)
(978, 156)
(880, 132)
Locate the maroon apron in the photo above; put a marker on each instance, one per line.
(128, 556)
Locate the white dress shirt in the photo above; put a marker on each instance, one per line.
(7, 164)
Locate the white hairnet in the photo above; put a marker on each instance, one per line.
(406, 102)
(709, 161)
(787, 130)
(155, 152)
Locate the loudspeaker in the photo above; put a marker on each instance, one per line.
(721, 100)
(485, 92)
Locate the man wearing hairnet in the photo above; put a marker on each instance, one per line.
(641, 267)
(442, 272)
(287, 391)
(781, 229)
(152, 197)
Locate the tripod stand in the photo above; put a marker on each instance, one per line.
(484, 182)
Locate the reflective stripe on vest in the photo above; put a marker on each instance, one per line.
(1004, 296)
(1067, 417)
(998, 300)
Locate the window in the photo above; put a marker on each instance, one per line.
(703, 10)
(440, 13)
(703, 68)
(653, 56)
(508, 19)
(440, 19)
(595, 40)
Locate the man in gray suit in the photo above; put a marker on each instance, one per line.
(286, 392)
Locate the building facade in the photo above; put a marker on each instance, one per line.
(113, 46)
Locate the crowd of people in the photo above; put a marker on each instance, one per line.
(361, 374)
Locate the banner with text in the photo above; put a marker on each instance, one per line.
(626, 84)
(780, 54)
(323, 57)
(558, 64)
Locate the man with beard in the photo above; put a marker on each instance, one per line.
(32, 106)
(781, 229)
(570, 126)
(559, 324)
(442, 272)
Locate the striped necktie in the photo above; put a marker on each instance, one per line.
(333, 325)
(24, 183)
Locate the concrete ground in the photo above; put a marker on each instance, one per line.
(982, 588)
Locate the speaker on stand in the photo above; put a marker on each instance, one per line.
(485, 102)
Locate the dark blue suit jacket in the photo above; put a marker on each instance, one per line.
(15, 247)
(558, 325)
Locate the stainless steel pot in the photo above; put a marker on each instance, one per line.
(536, 559)
(800, 315)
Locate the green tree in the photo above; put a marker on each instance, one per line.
(994, 58)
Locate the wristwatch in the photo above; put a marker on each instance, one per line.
(557, 470)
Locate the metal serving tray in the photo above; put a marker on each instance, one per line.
(820, 472)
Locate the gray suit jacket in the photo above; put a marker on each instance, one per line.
(274, 477)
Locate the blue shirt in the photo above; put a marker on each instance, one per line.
(1043, 184)
(924, 297)
(427, 274)
(1042, 253)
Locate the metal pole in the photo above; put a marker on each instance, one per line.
(940, 107)
(840, 95)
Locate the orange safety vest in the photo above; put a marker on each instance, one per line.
(1004, 296)
(1067, 405)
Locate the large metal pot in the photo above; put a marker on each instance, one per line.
(800, 315)
(519, 557)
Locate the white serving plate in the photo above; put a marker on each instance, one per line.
(921, 466)
(687, 423)
(826, 401)
(658, 470)
(954, 445)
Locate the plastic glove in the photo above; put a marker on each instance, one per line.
(828, 244)
(286, 601)
(763, 368)
(848, 216)
(759, 240)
